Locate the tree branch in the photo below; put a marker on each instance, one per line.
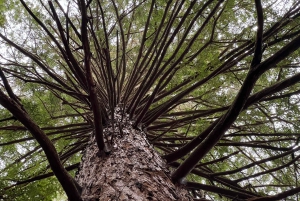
(259, 35)
(225, 122)
(91, 85)
(60, 172)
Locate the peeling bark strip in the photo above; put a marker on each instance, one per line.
(133, 170)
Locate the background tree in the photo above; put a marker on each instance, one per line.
(212, 85)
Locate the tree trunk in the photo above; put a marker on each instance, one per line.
(132, 171)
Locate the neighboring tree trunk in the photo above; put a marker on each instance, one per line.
(132, 171)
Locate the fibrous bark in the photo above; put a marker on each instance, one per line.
(132, 171)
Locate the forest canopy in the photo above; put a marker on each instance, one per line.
(214, 85)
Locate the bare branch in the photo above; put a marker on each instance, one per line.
(62, 175)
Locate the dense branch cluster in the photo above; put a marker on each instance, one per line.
(213, 84)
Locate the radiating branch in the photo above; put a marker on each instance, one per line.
(62, 175)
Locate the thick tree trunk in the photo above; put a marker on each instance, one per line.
(132, 171)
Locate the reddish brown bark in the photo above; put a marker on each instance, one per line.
(132, 171)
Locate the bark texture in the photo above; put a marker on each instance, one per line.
(132, 171)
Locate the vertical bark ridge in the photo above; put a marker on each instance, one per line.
(133, 170)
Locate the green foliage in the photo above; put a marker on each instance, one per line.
(2, 16)
(175, 78)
